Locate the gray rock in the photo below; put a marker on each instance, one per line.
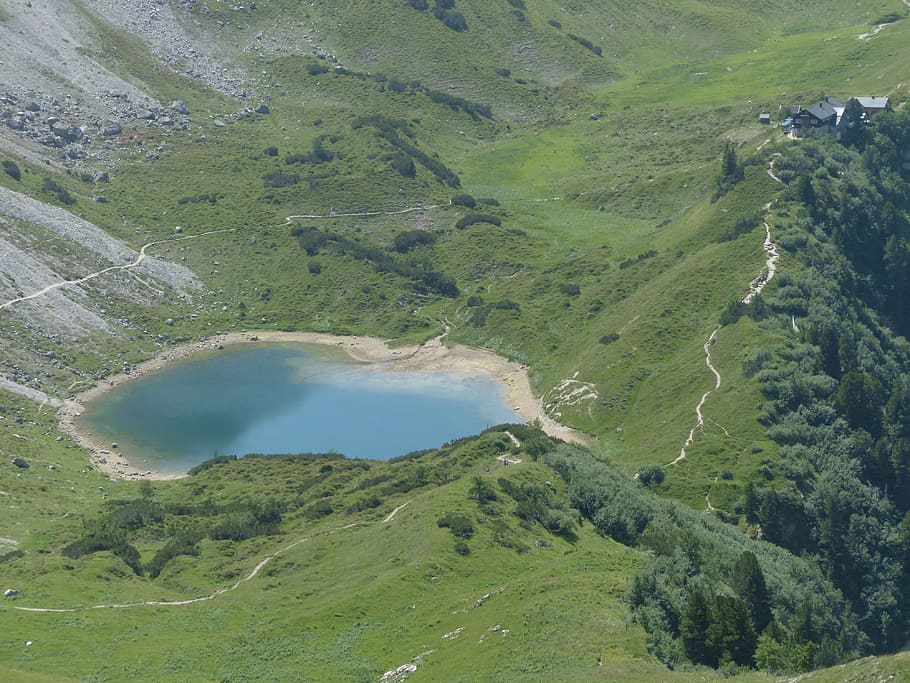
(20, 463)
(102, 177)
(180, 107)
(166, 121)
(262, 109)
(10, 593)
(101, 199)
(111, 128)
(32, 106)
(218, 124)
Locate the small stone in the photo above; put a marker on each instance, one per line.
(21, 463)
(180, 107)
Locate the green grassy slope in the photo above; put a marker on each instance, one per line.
(582, 200)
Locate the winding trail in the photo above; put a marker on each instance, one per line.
(389, 517)
(91, 276)
(772, 175)
(364, 214)
(764, 277)
(700, 419)
(755, 288)
(142, 251)
(710, 507)
(191, 601)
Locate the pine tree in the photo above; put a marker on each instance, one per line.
(749, 584)
(728, 165)
(732, 634)
(694, 626)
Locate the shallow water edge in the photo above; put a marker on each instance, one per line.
(433, 356)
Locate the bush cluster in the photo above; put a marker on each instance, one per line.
(474, 218)
(391, 131)
(61, 193)
(12, 169)
(584, 42)
(651, 253)
(313, 240)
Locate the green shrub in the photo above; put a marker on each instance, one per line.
(12, 169)
(464, 200)
(315, 69)
(409, 239)
(403, 164)
(454, 19)
(280, 179)
(458, 523)
(211, 462)
(586, 43)
(320, 509)
(183, 545)
(651, 253)
(472, 219)
(60, 192)
(651, 475)
(481, 490)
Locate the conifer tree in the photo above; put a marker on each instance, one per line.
(749, 584)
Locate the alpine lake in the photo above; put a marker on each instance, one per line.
(284, 398)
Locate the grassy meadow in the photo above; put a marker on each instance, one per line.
(611, 265)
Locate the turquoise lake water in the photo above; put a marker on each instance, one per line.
(289, 398)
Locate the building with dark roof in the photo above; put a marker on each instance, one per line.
(818, 119)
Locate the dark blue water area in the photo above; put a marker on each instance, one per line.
(289, 398)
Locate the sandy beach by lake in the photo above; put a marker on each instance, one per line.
(433, 355)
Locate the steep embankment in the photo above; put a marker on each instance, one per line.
(64, 281)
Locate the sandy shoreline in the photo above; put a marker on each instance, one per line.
(434, 355)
